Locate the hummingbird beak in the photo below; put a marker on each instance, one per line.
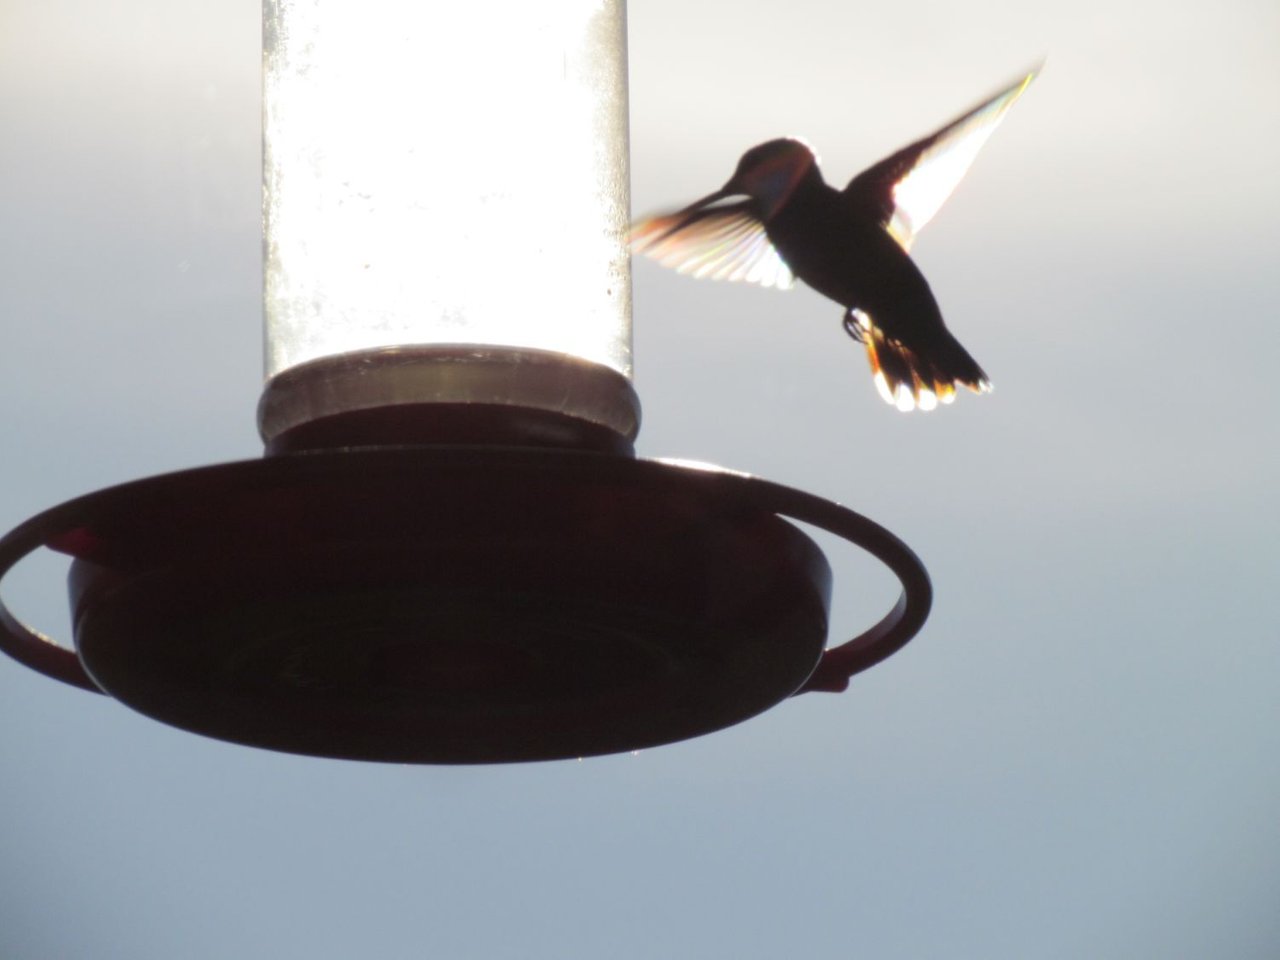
(709, 238)
(658, 228)
(723, 193)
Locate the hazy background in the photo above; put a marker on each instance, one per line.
(1078, 755)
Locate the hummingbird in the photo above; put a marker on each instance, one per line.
(851, 245)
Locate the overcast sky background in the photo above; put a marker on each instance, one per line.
(1077, 757)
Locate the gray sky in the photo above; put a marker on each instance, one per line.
(1076, 757)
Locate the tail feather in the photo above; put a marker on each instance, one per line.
(908, 378)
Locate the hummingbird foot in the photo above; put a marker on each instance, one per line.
(853, 326)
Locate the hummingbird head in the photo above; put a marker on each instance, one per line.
(770, 173)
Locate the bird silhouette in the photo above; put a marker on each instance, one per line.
(851, 245)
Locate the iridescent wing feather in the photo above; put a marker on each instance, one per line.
(905, 190)
(727, 242)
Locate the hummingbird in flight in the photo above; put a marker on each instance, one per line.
(851, 245)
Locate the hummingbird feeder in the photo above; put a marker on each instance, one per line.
(449, 552)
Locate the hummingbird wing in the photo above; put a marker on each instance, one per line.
(726, 242)
(905, 190)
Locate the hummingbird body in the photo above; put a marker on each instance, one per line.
(850, 245)
(835, 244)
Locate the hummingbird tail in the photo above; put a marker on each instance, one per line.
(910, 378)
